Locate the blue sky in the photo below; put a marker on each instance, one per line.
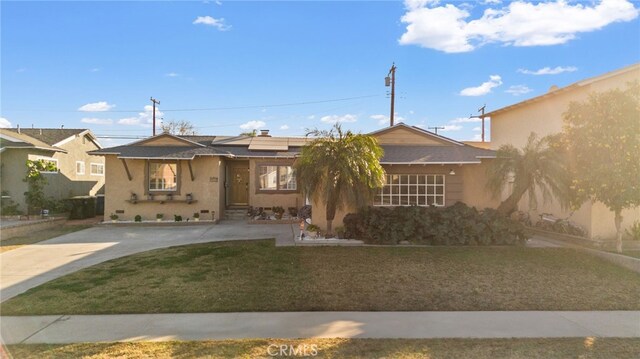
(289, 66)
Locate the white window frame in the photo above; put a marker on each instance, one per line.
(280, 175)
(405, 193)
(82, 167)
(162, 182)
(48, 159)
(91, 169)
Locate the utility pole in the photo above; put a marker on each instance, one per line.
(436, 128)
(481, 110)
(391, 80)
(154, 114)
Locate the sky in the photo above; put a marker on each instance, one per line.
(290, 66)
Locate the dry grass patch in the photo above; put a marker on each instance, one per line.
(257, 276)
(585, 348)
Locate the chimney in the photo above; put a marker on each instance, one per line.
(41, 132)
(264, 133)
(18, 126)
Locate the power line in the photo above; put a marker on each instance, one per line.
(215, 108)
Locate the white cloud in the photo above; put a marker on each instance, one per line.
(477, 137)
(253, 125)
(485, 88)
(549, 71)
(450, 128)
(382, 119)
(96, 107)
(284, 127)
(22, 69)
(144, 119)
(491, 2)
(465, 119)
(4, 123)
(336, 118)
(95, 69)
(477, 129)
(211, 21)
(447, 28)
(172, 74)
(517, 90)
(97, 121)
(311, 117)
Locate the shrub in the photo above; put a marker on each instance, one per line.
(177, 218)
(113, 216)
(196, 215)
(633, 232)
(455, 225)
(7, 206)
(159, 215)
(138, 218)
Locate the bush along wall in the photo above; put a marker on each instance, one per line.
(455, 225)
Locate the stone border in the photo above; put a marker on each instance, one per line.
(156, 223)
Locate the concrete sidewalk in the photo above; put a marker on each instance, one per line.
(211, 326)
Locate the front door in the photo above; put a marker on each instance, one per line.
(239, 186)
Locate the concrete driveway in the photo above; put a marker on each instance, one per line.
(32, 265)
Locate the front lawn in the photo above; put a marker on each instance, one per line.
(346, 348)
(257, 276)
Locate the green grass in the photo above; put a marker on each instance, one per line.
(257, 276)
(585, 348)
(17, 242)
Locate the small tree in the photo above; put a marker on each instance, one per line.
(36, 182)
(252, 133)
(602, 136)
(180, 128)
(340, 168)
(535, 167)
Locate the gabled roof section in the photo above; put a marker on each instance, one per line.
(573, 86)
(403, 134)
(166, 140)
(12, 139)
(50, 136)
(422, 155)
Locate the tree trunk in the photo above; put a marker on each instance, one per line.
(510, 204)
(330, 213)
(618, 221)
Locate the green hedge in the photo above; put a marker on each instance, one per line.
(455, 225)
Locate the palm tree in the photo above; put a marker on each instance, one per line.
(340, 168)
(537, 166)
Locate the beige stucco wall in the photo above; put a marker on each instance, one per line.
(264, 198)
(13, 170)
(544, 117)
(205, 189)
(68, 183)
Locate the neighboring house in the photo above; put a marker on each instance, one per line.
(78, 173)
(543, 115)
(182, 175)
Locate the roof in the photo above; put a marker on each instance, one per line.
(581, 83)
(50, 136)
(10, 139)
(413, 154)
(418, 130)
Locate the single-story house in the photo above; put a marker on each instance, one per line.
(183, 175)
(77, 172)
(543, 115)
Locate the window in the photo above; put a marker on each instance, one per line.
(79, 167)
(163, 176)
(276, 178)
(97, 169)
(49, 160)
(411, 190)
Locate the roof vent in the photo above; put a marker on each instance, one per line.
(264, 133)
(553, 88)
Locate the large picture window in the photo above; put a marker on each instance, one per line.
(97, 169)
(276, 178)
(163, 176)
(411, 190)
